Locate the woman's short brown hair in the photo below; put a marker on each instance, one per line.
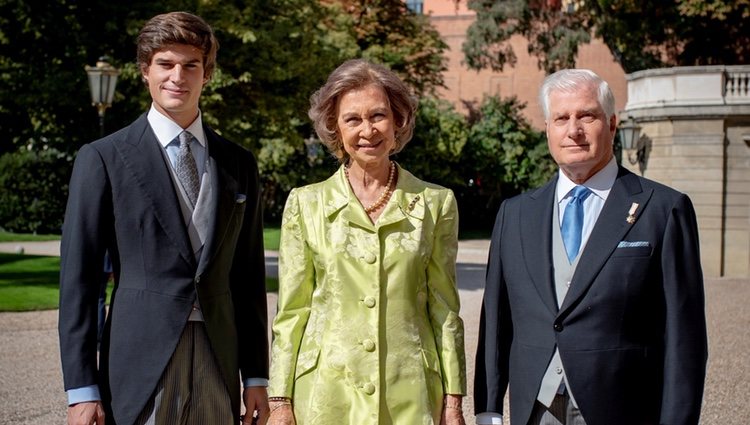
(177, 28)
(355, 74)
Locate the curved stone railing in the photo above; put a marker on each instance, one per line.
(689, 86)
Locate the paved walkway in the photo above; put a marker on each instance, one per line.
(31, 382)
(469, 251)
(31, 248)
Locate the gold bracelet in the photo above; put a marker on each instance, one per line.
(279, 398)
(280, 403)
(454, 408)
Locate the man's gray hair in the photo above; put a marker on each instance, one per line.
(570, 80)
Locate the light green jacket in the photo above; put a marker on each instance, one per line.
(367, 329)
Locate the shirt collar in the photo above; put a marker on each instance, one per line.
(167, 130)
(600, 183)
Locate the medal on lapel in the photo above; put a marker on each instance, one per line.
(631, 214)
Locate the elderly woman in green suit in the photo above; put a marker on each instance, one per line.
(367, 329)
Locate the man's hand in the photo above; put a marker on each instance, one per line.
(86, 413)
(256, 402)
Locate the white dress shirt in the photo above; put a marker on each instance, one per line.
(166, 132)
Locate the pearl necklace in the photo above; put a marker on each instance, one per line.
(386, 192)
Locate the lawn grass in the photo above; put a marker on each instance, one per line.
(28, 282)
(271, 237)
(25, 237)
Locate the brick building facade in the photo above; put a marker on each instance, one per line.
(452, 19)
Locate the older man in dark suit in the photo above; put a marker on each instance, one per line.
(178, 209)
(593, 309)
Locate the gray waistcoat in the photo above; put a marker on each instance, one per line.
(197, 220)
(555, 373)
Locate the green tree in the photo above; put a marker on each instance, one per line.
(492, 154)
(553, 37)
(435, 152)
(385, 31)
(33, 190)
(640, 33)
(281, 51)
(273, 54)
(504, 156)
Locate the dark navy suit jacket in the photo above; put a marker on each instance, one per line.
(631, 330)
(122, 200)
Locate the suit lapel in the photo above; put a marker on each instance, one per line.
(223, 205)
(536, 240)
(610, 228)
(143, 157)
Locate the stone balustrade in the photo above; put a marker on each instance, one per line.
(681, 89)
(737, 86)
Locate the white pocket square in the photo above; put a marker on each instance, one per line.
(240, 198)
(636, 244)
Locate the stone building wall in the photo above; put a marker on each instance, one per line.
(697, 140)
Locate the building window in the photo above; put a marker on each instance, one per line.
(415, 6)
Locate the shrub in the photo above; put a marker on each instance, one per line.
(33, 190)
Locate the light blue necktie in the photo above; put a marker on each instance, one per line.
(572, 224)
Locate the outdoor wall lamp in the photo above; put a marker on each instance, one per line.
(630, 140)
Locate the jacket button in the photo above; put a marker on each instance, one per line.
(558, 327)
(369, 258)
(370, 302)
(198, 279)
(368, 389)
(368, 345)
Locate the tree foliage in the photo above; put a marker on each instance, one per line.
(273, 54)
(553, 37)
(507, 156)
(387, 32)
(33, 190)
(640, 33)
(492, 154)
(440, 136)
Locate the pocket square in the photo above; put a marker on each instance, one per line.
(636, 244)
(240, 198)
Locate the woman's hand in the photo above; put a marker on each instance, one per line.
(453, 413)
(281, 413)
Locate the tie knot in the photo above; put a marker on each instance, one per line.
(579, 193)
(185, 138)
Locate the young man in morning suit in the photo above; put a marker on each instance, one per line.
(178, 209)
(593, 309)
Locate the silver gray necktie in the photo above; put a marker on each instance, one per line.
(186, 169)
